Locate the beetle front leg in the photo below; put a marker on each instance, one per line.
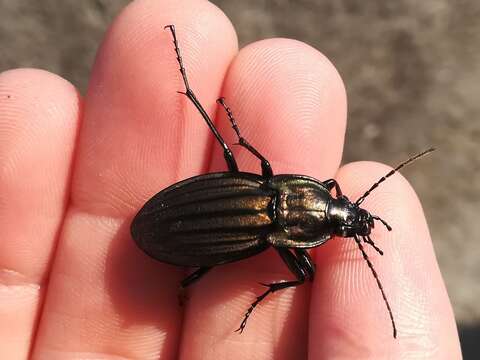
(332, 183)
(294, 266)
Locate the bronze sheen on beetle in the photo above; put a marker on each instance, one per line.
(218, 218)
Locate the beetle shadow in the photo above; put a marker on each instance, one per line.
(142, 291)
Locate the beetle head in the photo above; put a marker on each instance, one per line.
(349, 219)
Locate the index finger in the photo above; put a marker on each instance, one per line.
(348, 318)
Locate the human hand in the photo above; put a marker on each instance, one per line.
(75, 171)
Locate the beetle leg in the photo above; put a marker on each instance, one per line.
(307, 263)
(332, 183)
(227, 153)
(266, 168)
(197, 274)
(295, 267)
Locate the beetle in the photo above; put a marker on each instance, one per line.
(218, 218)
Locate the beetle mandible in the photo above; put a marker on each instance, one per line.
(218, 218)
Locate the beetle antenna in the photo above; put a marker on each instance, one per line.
(389, 228)
(375, 275)
(391, 172)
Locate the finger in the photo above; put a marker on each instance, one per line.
(348, 316)
(289, 103)
(139, 135)
(39, 114)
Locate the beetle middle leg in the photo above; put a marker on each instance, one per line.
(296, 267)
(266, 168)
(227, 152)
(307, 263)
(189, 280)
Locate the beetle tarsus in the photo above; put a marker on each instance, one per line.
(271, 289)
(253, 306)
(266, 168)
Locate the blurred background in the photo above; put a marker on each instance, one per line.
(411, 70)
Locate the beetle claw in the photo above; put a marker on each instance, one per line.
(240, 329)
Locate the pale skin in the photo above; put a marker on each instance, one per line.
(75, 170)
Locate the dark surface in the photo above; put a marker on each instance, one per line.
(412, 73)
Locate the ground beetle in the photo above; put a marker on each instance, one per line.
(218, 218)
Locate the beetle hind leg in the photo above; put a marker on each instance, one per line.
(296, 266)
(271, 289)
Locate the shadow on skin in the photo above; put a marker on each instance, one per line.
(141, 288)
(144, 291)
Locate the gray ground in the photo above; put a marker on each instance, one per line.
(412, 72)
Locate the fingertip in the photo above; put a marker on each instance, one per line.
(26, 83)
(138, 38)
(132, 99)
(39, 117)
